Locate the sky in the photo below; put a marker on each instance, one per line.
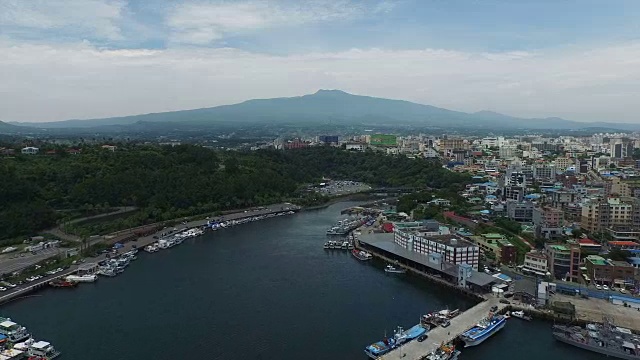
(80, 59)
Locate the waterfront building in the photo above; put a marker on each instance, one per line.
(608, 272)
(498, 245)
(536, 262)
(453, 249)
(564, 261)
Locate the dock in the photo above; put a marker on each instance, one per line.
(415, 350)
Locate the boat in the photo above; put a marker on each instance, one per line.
(605, 339)
(13, 331)
(394, 270)
(38, 349)
(345, 245)
(59, 283)
(483, 330)
(82, 278)
(521, 315)
(327, 245)
(361, 255)
(444, 352)
(399, 338)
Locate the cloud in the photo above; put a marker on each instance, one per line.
(89, 18)
(62, 81)
(202, 23)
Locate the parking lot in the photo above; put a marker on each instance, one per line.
(335, 188)
(16, 262)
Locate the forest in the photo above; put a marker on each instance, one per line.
(167, 182)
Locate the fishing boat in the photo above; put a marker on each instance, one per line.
(399, 338)
(361, 255)
(327, 245)
(13, 331)
(444, 352)
(59, 283)
(483, 330)
(394, 270)
(521, 315)
(38, 349)
(82, 278)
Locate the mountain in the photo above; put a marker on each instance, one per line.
(6, 128)
(333, 106)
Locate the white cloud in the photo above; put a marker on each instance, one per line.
(48, 82)
(201, 23)
(95, 18)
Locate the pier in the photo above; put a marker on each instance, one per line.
(415, 350)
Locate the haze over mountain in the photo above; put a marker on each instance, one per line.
(334, 106)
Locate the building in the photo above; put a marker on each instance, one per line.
(623, 245)
(613, 213)
(536, 262)
(520, 211)
(562, 163)
(547, 222)
(29, 150)
(109, 147)
(608, 272)
(452, 249)
(295, 144)
(564, 261)
(544, 172)
(498, 245)
(328, 139)
(515, 193)
(587, 245)
(356, 146)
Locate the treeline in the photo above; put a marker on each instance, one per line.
(169, 182)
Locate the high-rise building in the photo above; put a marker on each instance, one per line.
(548, 222)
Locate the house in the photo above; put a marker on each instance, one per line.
(440, 202)
(29, 150)
(624, 245)
(109, 147)
(73, 151)
(356, 146)
(7, 152)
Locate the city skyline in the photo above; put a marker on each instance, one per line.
(104, 58)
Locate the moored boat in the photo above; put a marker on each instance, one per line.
(361, 255)
(521, 315)
(38, 349)
(483, 330)
(444, 352)
(13, 331)
(399, 338)
(59, 283)
(394, 270)
(605, 339)
(82, 278)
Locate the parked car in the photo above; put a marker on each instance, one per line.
(505, 301)
(605, 287)
(2, 288)
(422, 337)
(623, 291)
(598, 287)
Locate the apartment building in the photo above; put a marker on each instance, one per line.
(520, 211)
(548, 222)
(612, 213)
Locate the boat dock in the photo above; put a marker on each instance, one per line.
(415, 350)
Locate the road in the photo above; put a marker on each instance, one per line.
(15, 262)
(59, 231)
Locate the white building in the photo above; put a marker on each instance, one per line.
(452, 249)
(535, 263)
(30, 150)
(355, 146)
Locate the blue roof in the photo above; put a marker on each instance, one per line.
(485, 211)
(487, 183)
(491, 197)
(532, 196)
(504, 277)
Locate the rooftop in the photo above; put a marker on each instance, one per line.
(623, 243)
(596, 260)
(493, 236)
(560, 247)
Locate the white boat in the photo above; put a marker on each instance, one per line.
(163, 244)
(82, 278)
(521, 315)
(41, 349)
(12, 354)
(107, 271)
(13, 331)
(148, 248)
(394, 270)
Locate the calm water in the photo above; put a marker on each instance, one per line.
(265, 290)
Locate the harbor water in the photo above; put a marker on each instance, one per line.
(263, 290)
